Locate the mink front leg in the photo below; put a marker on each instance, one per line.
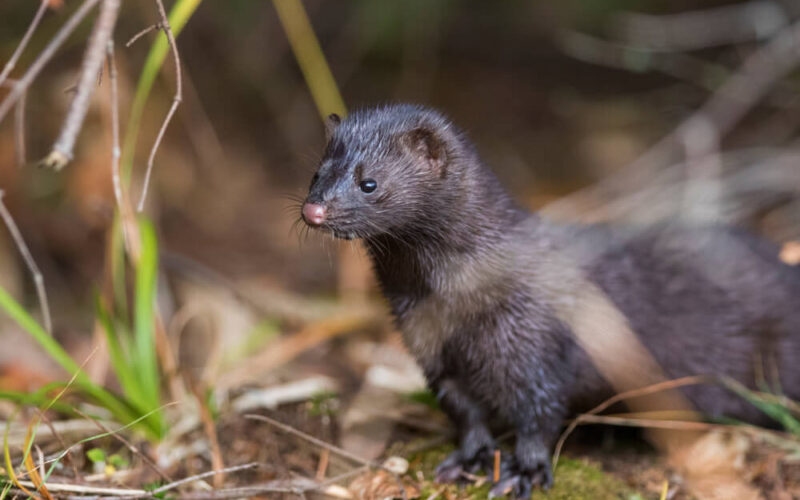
(476, 445)
(536, 431)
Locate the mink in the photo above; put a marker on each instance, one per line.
(479, 287)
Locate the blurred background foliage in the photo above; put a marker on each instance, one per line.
(549, 115)
(557, 96)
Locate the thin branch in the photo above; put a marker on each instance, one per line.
(92, 64)
(129, 227)
(176, 100)
(44, 57)
(24, 42)
(19, 131)
(19, 124)
(191, 479)
(79, 488)
(115, 149)
(622, 396)
(142, 33)
(60, 440)
(38, 279)
(335, 449)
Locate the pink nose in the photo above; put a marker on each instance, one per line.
(314, 214)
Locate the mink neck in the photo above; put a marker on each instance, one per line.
(470, 219)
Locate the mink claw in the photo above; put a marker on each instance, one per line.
(451, 470)
(449, 474)
(519, 486)
(506, 486)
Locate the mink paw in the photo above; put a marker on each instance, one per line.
(453, 468)
(456, 466)
(519, 484)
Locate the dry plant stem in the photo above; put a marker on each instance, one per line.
(210, 430)
(642, 391)
(129, 227)
(115, 149)
(99, 493)
(723, 110)
(176, 100)
(191, 479)
(61, 442)
(272, 487)
(19, 125)
(24, 42)
(38, 279)
(322, 466)
(19, 131)
(311, 439)
(127, 444)
(89, 490)
(87, 81)
(334, 449)
(142, 33)
(44, 57)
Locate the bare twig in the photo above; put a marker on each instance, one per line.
(210, 430)
(19, 124)
(91, 66)
(44, 57)
(191, 479)
(129, 226)
(115, 149)
(176, 100)
(19, 131)
(642, 391)
(60, 440)
(79, 488)
(24, 42)
(38, 279)
(311, 439)
(142, 33)
(327, 446)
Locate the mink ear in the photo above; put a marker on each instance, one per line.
(331, 123)
(426, 144)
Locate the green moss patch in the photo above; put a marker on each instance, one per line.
(574, 480)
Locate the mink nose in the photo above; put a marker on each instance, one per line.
(314, 214)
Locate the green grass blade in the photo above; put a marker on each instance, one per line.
(144, 351)
(35, 399)
(60, 356)
(32, 328)
(778, 412)
(118, 267)
(181, 11)
(122, 367)
(310, 58)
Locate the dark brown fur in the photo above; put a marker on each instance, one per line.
(479, 286)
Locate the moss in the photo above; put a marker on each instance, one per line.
(574, 480)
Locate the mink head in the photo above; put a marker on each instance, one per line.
(386, 170)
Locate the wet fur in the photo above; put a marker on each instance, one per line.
(478, 287)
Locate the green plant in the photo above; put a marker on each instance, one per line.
(130, 338)
(779, 408)
(131, 347)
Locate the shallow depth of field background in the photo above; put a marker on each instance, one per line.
(557, 96)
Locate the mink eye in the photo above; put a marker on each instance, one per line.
(368, 185)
